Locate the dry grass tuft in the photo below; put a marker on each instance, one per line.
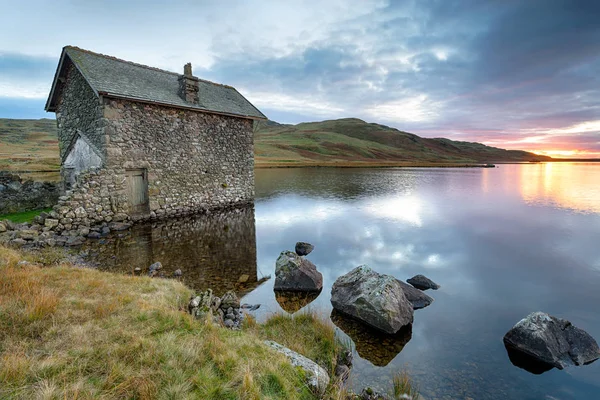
(68, 332)
(403, 387)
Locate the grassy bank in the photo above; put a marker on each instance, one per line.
(68, 332)
(25, 216)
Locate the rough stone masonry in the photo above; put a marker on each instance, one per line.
(139, 143)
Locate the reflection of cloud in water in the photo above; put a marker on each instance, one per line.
(405, 208)
(287, 210)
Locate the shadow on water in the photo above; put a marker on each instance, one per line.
(376, 347)
(292, 302)
(216, 250)
(526, 362)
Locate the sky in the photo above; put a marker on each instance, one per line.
(513, 74)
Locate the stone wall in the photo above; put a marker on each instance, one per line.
(79, 110)
(193, 160)
(17, 195)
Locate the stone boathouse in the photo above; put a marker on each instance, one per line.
(138, 142)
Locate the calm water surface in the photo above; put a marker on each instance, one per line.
(502, 243)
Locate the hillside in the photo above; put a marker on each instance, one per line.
(31, 145)
(355, 141)
(28, 145)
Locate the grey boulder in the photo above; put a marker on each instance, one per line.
(552, 341)
(294, 273)
(417, 298)
(303, 248)
(372, 298)
(317, 378)
(423, 283)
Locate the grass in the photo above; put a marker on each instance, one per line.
(353, 142)
(76, 333)
(404, 388)
(306, 333)
(25, 216)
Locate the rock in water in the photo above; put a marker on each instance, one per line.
(318, 378)
(552, 340)
(374, 299)
(417, 298)
(294, 273)
(303, 248)
(423, 283)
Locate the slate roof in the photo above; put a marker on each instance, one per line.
(112, 77)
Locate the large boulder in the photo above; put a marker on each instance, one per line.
(317, 377)
(374, 299)
(552, 341)
(303, 248)
(422, 282)
(296, 274)
(417, 298)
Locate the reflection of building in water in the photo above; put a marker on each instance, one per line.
(216, 250)
(376, 347)
(291, 302)
(567, 185)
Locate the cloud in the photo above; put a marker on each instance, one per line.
(497, 71)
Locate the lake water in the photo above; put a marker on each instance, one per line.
(501, 242)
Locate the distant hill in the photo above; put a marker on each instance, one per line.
(352, 140)
(27, 145)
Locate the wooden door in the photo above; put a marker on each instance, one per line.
(137, 191)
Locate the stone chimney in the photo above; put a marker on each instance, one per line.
(188, 85)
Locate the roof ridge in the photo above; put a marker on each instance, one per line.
(140, 65)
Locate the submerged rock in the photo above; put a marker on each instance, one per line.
(369, 393)
(291, 302)
(304, 249)
(552, 341)
(371, 344)
(317, 377)
(294, 273)
(417, 298)
(527, 362)
(374, 299)
(250, 307)
(423, 283)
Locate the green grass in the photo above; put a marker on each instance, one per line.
(352, 140)
(25, 216)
